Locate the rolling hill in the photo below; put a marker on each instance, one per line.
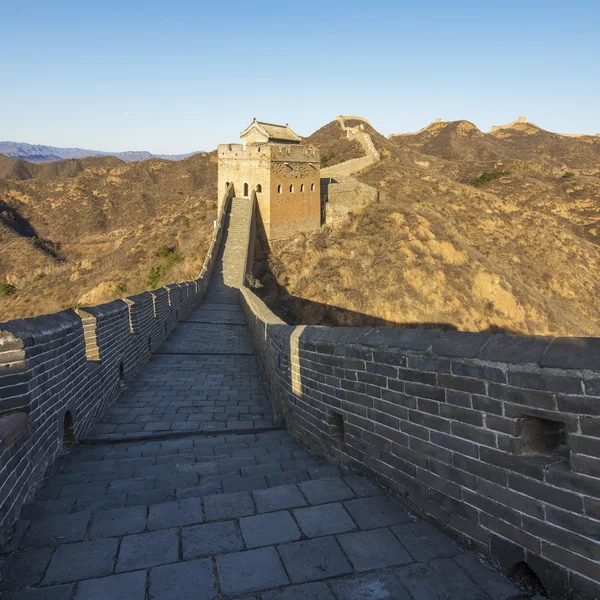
(85, 231)
(475, 231)
(478, 231)
(37, 153)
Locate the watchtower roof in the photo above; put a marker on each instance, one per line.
(272, 132)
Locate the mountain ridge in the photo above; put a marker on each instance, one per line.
(40, 153)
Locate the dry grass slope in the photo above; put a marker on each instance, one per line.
(335, 147)
(521, 253)
(90, 230)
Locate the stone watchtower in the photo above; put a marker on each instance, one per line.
(284, 174)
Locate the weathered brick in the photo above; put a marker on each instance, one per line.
(455, 444)
(464, 384)
(382, 369)
(493, 508)
(545, 493)
(592, 387)
(478, 372)
(428, 364)
(585, 445)
(417, 376)
(536, 399)
(399, 398)
(464, 415)
(542, 381)
(515, 534)
(587, 465)
(515, 348)
(570, 560)
(532, 466)
(458, 398)
(430, 450)
(560, 475)
(480, 469)
(424, 391)
(474, 434)
(429, 421)
(453, 474)
(578, 404)
(572, 353)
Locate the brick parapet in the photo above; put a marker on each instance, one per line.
(454, 424)
(76, 362)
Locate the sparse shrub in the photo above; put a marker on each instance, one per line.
(39, 276)
(154, 276)
(488, 176)
(326, 158)
(164, 251)
(568, 175)
(121, 288)
(7, 289)
(185, 222)
(173, 258)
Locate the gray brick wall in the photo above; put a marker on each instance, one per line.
(495, 438)
(75, 361)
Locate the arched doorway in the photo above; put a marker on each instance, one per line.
(245, 190)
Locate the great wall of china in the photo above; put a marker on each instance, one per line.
(493, 438)
(494, 128)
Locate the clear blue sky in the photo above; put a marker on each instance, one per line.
(180, 76)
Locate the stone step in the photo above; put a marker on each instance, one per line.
(135, 492)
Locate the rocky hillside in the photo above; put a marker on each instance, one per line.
(335, 147)
(473, 231)
(85, 231)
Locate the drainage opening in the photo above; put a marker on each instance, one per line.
(336, 425)
(121, 374)
(68, 432)
(541, 437)
(526, 578)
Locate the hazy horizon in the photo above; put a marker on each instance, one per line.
(184, 77)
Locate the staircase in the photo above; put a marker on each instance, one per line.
(235, 249)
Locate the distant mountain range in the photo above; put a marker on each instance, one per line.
(37, 153)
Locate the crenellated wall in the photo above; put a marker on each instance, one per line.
(495, 438)
(64, 369)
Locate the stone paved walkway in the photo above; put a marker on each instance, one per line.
(248, 515)
(205, 377)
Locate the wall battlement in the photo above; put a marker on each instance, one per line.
(494, 438)
(62, 370)
(274, 152)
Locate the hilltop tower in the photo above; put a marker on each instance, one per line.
(284, 174)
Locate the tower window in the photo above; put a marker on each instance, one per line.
(301, 187)
(312, 187)
(259, 188)
(279, 189)
(292, 188)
